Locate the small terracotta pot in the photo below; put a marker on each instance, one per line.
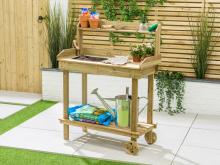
(84, 21)
(136, 59)
(94, 23)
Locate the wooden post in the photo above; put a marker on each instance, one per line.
(134, 114)
(84, 93)
(157, 40)
(150, 99)
(65, 102)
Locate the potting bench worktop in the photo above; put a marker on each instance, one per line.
(135, 71)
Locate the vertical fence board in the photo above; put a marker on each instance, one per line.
(22, 50)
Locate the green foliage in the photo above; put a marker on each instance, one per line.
(53, 24)
(110, 9)
(203, 41)
(143, 18)
(143, 50)
(114, 38)
(68, 29)
(137, 51)
(60, 32)
(170, 90)
(129, 9)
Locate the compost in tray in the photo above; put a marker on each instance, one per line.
(89, 58)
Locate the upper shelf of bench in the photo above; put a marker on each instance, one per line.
(114, 30)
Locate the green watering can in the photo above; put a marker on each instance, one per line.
(122, 106)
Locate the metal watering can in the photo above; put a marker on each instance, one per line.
(122, 107)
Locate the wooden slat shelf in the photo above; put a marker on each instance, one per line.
(141, 129)
(114, 30)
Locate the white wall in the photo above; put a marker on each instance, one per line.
(203, 98)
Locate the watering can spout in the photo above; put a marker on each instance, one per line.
(95, 91)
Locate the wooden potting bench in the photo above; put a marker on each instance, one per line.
(135, 71)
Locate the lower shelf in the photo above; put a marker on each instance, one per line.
(142, 128)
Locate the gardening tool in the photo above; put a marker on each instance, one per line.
(123, 104)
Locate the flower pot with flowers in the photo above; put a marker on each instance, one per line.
(137, 53)
(142, 51)
(84, 18)
(94, 20)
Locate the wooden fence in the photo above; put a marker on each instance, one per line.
(22, 51)
(177, 41)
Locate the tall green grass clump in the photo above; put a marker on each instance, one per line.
(203, 40)
(60, 32)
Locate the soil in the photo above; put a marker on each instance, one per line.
(90, 58)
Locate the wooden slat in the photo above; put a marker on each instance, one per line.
(21, 50)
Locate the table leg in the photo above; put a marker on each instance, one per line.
(150, 104)
(65, 102)
(84, 93)
(134, 114)
(150, 99)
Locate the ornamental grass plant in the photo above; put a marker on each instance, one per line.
(60, 32)
(203, 40)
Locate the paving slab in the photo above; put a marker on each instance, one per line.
(210, 122)
(110, 146)
(44, 133)
(41, 140)
(19, 97)
(7, 110)
(189, 155)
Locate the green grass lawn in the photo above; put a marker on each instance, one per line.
(12, 156)
(23, 115)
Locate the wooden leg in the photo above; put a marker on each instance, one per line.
(65, 102)
(134, 114)
(149, 136)
(84, 93)
(150, 99)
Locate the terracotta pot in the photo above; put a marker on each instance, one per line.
(136, 59)
(84, 21)
(94, 23)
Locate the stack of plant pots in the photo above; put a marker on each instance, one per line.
(87, 19)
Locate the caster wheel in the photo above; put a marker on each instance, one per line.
(151, 137)
(132, 148)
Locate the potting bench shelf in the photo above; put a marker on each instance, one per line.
(142, 128)
(135, 71)
(115, 30)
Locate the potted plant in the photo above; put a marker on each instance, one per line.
(137, 53)
(143, 24)
(148, 49)
(94, 20)
(84, 18)
(142, 51)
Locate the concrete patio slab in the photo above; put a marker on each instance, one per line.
(210, 122)
(45, 134)
(18, 97)
(109, 146)
(41, 140)
(6, 110)
(189, 155)
(203, 138)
